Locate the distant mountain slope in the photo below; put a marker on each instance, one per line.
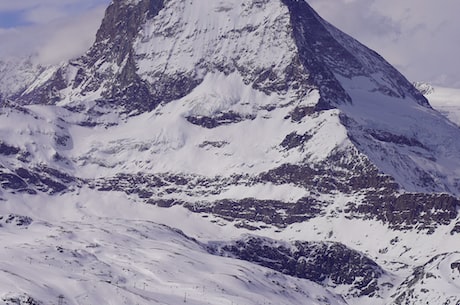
(447, 101)
(16, 74)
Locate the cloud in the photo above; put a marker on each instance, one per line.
(71, 38)
(27, 5)
(418, 37)
(54, 31)
(43, 15)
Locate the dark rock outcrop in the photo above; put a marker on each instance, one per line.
(223, 118)
(408, 211)
(37, 179)
(18, 220)
(20, 299)
(325, 263)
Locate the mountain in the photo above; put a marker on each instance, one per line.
(445, 100)
(16, 74)
(196, 134)
(132, 52)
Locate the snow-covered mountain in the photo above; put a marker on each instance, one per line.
(299, 165)
(445, 100)
(16, 74)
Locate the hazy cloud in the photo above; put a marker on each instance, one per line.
(71, 38)
(54, 30)
(26, 5)
(44, 15)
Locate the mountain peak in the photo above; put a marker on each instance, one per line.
(149, 52)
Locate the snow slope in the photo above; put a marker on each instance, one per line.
(88, 251)
(16, 74)
(188, 37)
(389, 131)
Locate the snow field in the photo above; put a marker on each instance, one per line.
(122, 260)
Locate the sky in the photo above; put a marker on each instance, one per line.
(419, 37)
(54, 30)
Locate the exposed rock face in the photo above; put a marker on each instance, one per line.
(424, 284)
(17, 220)
(327, 52)
(42, 179)
(108, 67)
(409, 211)
(20, 299)
(424, 88)
(113, 49)
(330, 263)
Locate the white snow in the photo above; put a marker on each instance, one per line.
(194, 36)
(17, 73)
(164, 141)
(94, 249)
